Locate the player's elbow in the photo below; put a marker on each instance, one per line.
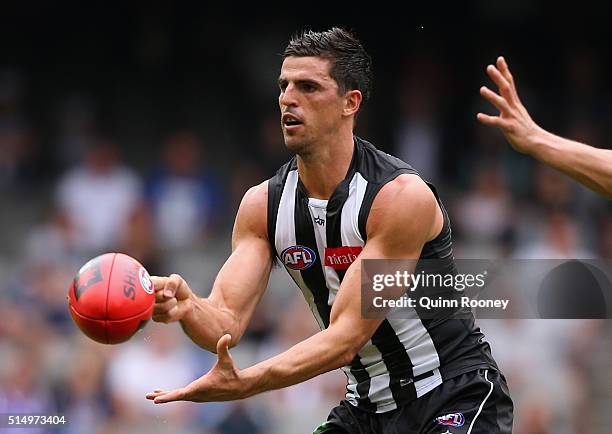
(352, 343)
(348, 355)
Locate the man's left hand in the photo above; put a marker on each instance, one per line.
(221, 383)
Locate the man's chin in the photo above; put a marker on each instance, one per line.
(294, 144)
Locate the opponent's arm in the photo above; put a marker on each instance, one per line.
(238, 287)
(403, 217)
(586, 164)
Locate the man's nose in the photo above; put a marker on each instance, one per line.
(288, 97)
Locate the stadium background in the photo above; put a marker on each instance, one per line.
(138, 129)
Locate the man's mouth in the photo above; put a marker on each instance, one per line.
(289, 120)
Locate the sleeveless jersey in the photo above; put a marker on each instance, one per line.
(316, 240)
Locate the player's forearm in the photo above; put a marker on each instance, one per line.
(589, 165)
(323, 352)
(205, 323)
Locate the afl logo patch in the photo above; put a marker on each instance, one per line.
(145, 280)
(451, 419)
(298, 257)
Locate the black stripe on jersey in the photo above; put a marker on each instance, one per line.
(397, 361)
(372, 190)
(334, 216)
(305, 236)
(363, 385)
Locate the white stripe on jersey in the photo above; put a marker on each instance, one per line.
(318, 208)
(349, 228)
(285, 237)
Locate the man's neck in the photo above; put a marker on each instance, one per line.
(322, 170)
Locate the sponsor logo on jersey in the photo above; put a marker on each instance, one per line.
(340, 258)
(298, 257)
(145, 280)
(451, 419)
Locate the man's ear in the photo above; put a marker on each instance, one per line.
(352, 102)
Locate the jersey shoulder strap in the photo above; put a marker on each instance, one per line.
(275, 191)
(377, 168)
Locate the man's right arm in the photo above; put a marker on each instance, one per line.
(586, 164)
(238, 287)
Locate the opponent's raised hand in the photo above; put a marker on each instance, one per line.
(513, 119)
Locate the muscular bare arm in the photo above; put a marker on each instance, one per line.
(403, 217)
(238, 287)
(586, 164)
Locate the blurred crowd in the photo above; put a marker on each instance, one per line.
(72, 186)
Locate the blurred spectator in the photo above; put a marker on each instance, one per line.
(53, 241)
(98, 197)
(83, 395)
(483, 216)
(22, 390)
(245, 175)
(556, 238)
(76, 118)
(272, 150)
(552, 189)
(605, 239)
(417, 136)
(185, 198)
(155, 358)
(139, 240)
(19, 152)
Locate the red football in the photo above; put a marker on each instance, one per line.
(111, 297)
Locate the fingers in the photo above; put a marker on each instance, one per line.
(163, 311)
(223, 354)
(158, 282)
(164, 306)
(154, 394)
(495, 121)
(505, 89)
(503, 68)
(500, 103)
(170, 311)
(166, 287)
(161, 397)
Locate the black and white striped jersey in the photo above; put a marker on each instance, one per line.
(316, 240)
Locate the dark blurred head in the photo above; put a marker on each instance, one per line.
(561, 232)
(182, 152)
(103, 156)
(350, 64)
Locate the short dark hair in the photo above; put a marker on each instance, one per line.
(351, 65)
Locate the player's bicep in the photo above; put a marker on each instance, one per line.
(403, 218)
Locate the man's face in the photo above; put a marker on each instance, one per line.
(310, 105)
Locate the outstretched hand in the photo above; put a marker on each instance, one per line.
(513, 120)
(221, 383)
